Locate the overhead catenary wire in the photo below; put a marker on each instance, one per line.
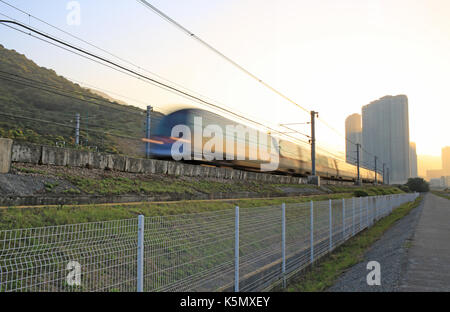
(120, 68)
(228, 59)
(65, 125)
(222, 55)
(126, 108)
(109, 53)
(65, 95)
(139, 76)
(92, 45)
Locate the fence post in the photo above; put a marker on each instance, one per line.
(375, 217)
(312, 231)
(140, 254)
(236, 250)
(343, 219)
(367, 212)
(360, 213)
(389, 202)
(283, 242)
(353, 218)
(331, 225)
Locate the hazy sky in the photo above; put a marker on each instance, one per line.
(332, 56)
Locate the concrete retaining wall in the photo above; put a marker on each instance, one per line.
(46, 155)
(5, 155)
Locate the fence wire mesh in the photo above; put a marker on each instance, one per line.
(192, 252)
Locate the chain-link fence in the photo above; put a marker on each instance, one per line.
(230, 250)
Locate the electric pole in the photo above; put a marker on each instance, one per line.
(77, 129)
(87, 128)
(376, 177)
(358, 181)
(313, 141)
(147, 130)
(384, 175)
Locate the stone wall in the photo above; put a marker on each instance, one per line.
(46, 155)
(5, 155)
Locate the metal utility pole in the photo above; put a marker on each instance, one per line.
(376, 176)
(147, 130)
(77, 129)
(358, 162)
(87, 128)
(384, 173)
(313, 141)
(388, 177)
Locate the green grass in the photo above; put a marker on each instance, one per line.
(370, 190)
(325, 273)
(13, 218)
(29, 170)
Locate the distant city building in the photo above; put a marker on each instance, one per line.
(413, 160)
(434, 174)
(385, 125)
(440, 183)
(353, 135)
(436, 183)
(445, 171)
(447, 182)
(446, 161)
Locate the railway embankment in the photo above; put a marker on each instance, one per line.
(43, 175)
(31, 185)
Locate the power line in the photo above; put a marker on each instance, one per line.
(216, 51)
(210, 47)
(82, 40)
(107, 52)
(82, 93)
(63, 125)
(43, 88)
(92, 45)
(127, 71)
(134, 74)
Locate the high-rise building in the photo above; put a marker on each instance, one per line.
(413, 160)
(353, 135)
(446, 161)
(385, 124)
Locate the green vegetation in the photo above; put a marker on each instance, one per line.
(418, 185)
(369, 190)
(325, 273)
(360, 193)
(13, 218)
(29, 170)
(50, 186)
(23, 86)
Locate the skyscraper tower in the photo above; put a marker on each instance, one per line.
(353, 135)
(385, 124)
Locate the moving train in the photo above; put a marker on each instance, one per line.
(293, 159)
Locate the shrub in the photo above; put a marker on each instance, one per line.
(360, 193)
(405, 188)
(418, 185)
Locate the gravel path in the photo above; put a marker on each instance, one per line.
(390, 251)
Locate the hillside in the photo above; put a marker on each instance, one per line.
(43, 106)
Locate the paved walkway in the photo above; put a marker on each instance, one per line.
(428, 266)
(391, 251)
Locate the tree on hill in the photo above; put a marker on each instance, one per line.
(418, 185)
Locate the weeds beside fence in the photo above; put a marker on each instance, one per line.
(229, 250)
